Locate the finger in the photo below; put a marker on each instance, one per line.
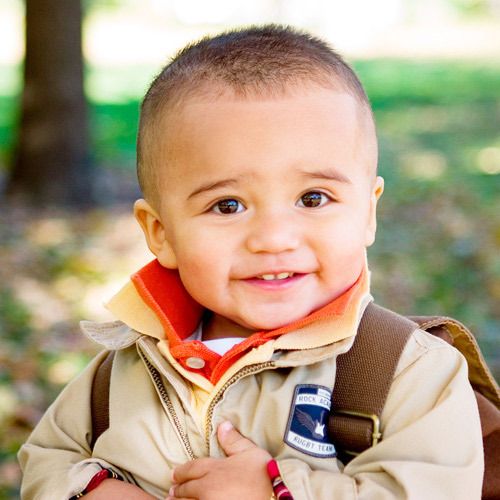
(185, 491)
(194, 469)
(231, 441)
(169, 497)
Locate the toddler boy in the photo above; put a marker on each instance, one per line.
(257, 157)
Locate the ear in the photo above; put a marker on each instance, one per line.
(376, 193)
(155, 233)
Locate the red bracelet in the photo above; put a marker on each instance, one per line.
(96, 480)
(281, 492)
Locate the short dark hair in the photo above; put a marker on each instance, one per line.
(259, 60)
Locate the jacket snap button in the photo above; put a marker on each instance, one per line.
(195, 363)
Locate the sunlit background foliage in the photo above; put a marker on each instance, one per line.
(432, 71)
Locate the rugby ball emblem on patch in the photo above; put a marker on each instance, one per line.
(306, 430)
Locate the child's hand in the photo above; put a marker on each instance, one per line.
(112, 489)
(241, 475)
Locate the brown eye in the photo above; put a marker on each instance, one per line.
(313, 199)
(228, 206)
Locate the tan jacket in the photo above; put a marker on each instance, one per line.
(431, 446)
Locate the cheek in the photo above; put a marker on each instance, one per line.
(342, 245)
(204, 278)
(343, 234)
(201, 266)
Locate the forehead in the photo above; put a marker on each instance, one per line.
(311, 124)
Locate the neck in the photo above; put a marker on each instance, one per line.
(218, 327)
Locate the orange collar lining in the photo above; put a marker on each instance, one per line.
(162, 290)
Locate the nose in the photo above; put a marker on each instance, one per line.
(273, 232)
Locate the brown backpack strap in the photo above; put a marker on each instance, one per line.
(99, 400)
(363, 379)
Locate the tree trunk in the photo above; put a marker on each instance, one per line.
(51, 163)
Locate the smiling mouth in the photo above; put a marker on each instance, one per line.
(274, 277)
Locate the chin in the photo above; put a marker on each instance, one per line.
(272, 324)
(271, 317)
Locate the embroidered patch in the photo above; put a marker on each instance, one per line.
(306, 429)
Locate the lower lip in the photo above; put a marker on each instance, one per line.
(275, 284)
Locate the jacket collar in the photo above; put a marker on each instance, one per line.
(156, 304)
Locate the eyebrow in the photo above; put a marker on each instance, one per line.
(330, 174)
(211, 186)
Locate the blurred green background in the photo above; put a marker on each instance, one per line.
(437, 106)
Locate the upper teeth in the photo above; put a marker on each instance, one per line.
(280, 276)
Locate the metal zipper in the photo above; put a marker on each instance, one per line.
(155, 375)
(244, 372)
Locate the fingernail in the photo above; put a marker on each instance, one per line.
(171, 492)
(226, 426)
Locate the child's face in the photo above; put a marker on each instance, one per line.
(267, 204)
